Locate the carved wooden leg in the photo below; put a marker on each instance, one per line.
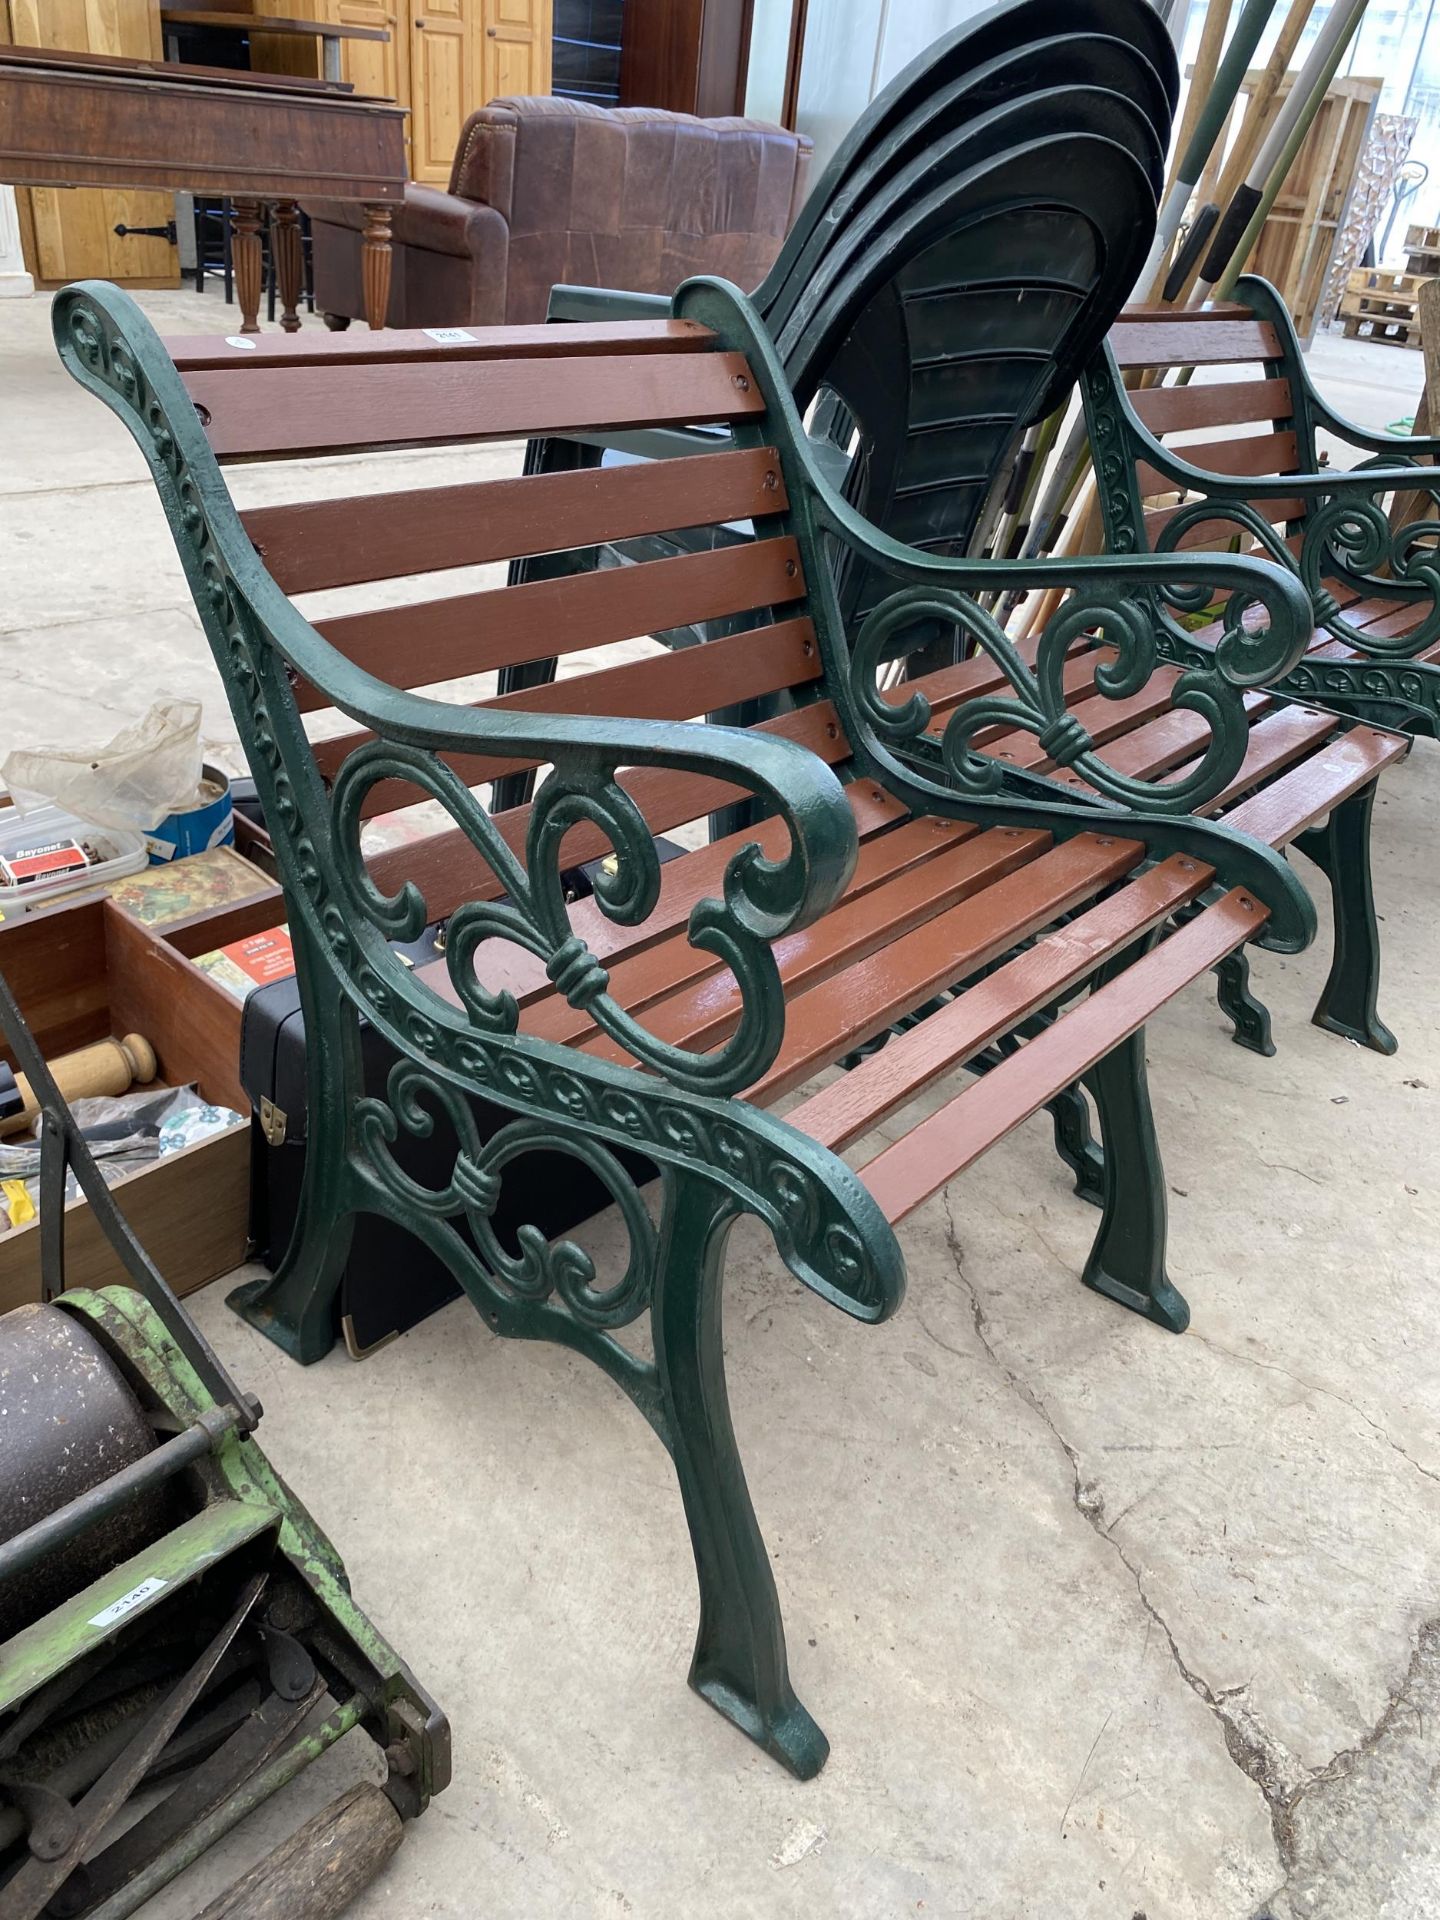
(375, 262)
(247, 257)
(289, 261)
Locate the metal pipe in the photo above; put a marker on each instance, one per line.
(1279, 147)
(99, 1502)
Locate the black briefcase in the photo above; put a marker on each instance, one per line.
(392, 1280)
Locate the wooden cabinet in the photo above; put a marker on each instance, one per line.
(515, 48)
(443, 69)
(69, 234)
(446, 57)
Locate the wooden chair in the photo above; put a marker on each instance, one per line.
(1019, 929)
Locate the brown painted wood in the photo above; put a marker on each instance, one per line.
(1212, 403)
(188, 74)
(1315, 788)
(248, 23)
(1104, 720)
(1157, 745)
(264, 411)
(638, 981)
(195, 353)
(912, 1061)
(665, 687)
(683, 884)
(437, 640)
(905, 1175)
(449, 870)
(861, 1003)
(54, 962)
(1259, 453)
(1277, 742)
(338, 543)
(1204, 342)
(702, 1015)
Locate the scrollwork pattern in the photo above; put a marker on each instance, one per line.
(826, 1226)
(1128, 627)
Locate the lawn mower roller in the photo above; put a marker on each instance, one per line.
(177, 1637)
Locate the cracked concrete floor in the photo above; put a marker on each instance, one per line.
(1101, 1623)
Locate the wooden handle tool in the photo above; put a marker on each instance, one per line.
(110, 1066)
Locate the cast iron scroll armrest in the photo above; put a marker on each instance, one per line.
(1346, 534)
(828, 1228)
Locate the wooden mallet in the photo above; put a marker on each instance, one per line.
(109, 1067)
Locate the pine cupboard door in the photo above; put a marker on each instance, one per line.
(442, 60)
(74, 228)
(377, 67)
(515, 48)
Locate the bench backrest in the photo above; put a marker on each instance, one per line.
(1239, 414)
(448, 625)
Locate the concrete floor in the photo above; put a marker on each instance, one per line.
(1102, 1624)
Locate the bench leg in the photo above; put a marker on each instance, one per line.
(1249, 1016)
(1127, 1261)
(295, 1305)
(1076, 1144)
(739, 1665)
(1341, 849)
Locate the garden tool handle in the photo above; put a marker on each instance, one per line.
(110, 1066)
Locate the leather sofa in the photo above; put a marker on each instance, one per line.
(546, 191)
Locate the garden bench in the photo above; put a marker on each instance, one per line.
(1358, 538)
(663, 1016)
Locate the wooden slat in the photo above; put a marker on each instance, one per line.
(700, 1016)
(379, 536)
(194, 353)
(683, 883)
(1256, 453)
(437, 640)
(1161, 743)
(685, 685)
(834, 1018)
(1212, 403)
(1202, 342)
(1104, 720)
(1310, 791)
(258, 412)
(448, 869)
(662, 970)
(910, 1062)
(905, 1175)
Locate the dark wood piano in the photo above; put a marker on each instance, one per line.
(90, 120)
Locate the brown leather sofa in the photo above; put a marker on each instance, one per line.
(547, 191)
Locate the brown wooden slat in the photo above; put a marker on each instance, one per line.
(660, 971)
(448, 869)
(1211, 310)
(433, 641)
(1202, 342)
(194, 353)
(258, 412)
(905, 1175)
(912, 1061)
(700, 1016)
(380, 536)
(1104, 720)
(1159, 744)
(683, 883)
(862, 1002)
(1308, 793)
(1212, 403)
(1257, 453)
(1283, 737)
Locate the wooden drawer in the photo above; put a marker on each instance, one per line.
(89, 970)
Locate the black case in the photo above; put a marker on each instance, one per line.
(392, 1280)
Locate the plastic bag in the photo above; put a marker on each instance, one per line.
(149, 770)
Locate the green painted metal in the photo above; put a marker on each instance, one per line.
(718, 1156)
(1345, 533)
